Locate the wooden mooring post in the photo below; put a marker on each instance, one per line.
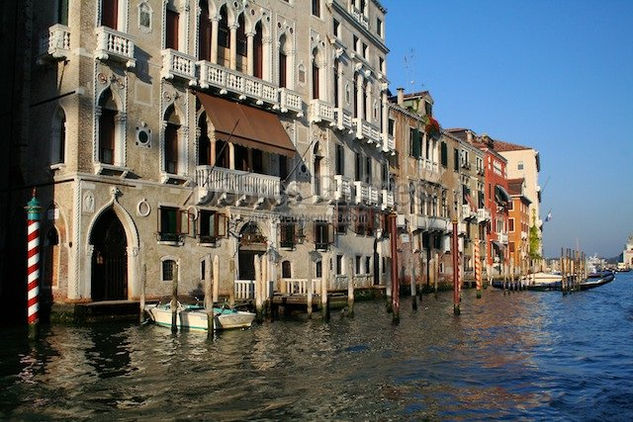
(174, 299)
(414, 297)
(216, 279)
(208, 294)
(142, 299)
(325, 280)
(395, 282)
(350, 290)
(258, 287)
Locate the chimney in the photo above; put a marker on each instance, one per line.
(469, 136)
(400, 96)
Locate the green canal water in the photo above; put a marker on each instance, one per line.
(524, 355)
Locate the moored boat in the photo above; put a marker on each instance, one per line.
(194, 317)
(597, 279)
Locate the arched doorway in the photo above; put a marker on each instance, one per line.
(109, 258)
(252, 243)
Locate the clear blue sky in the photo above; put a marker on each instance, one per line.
(555, 75)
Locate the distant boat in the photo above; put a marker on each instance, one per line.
(597, 279)
(194, 317)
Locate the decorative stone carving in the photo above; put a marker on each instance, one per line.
(88, 202)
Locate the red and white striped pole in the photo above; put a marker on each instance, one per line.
(477, 267)
(33, 263)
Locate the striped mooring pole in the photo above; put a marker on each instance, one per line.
(33, 262)
(477, 267)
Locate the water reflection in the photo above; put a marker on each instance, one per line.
(520, 355)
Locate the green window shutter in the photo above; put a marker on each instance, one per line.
(444, 154)
(417, 144)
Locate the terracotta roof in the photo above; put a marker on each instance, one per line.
(507, 146)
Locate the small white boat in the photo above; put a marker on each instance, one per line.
(194, 317)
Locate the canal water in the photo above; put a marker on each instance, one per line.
(524, 355)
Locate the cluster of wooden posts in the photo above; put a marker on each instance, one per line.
(573, 269)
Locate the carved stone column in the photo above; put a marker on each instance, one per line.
(250, 57)
(233, 51)
(214, 39)
(360, 93)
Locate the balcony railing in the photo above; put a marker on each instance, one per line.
(362, 193)
(228, 80)
(55, 43)
(114, 45)
(177, 64)
(503, 237)
(467, 212)
(483, 215)
(290, 100)
(439, 224)
(299, 286)
(321, 111)
(238, 182)
(373, 195)
(388, 143)
(343, 189)
(244, 289)
(359, 16)
(343, 119)
(365, 130)
(387, 199)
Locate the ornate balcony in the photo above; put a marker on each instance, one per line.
(503, 237)
(343, 188)
(439, 224)
(373, 195)
(114, 45)
(388, 143)
(321, 111)
(246, 87)
(237, 182)
(343, 119)
(387, 199)
(178, 65)
(55, 44)
(483, 215)
(359, 16)
(467, 212)
(290, 100)
(362, 193)
(367, 131)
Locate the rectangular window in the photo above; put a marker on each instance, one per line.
(337, 28)
(511, 224)
(171, 32)
(110, 13)
(367, 265)
(510, 206)
(444, 154)
(342, 220)
(384, 182)
(316, 8)
(456, 159)
(520, 165)
(358, 167)
(172, 223)
(106, 136)
(415, 143)
(322, 235)
(283, 167)
(62, 12)
(288, 237)
(381, 64)
(368, 172)
(356, 43)
(391, 128)
(282, 70)
(379, 27)
(339, 264)
(340, 159)
(357, 269)
(168, 270)
(365, 51)
(211, 226)
(315, 81)
(171, 149)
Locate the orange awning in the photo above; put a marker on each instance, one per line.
(248, 126)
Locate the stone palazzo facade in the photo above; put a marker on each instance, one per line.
(166, 132)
